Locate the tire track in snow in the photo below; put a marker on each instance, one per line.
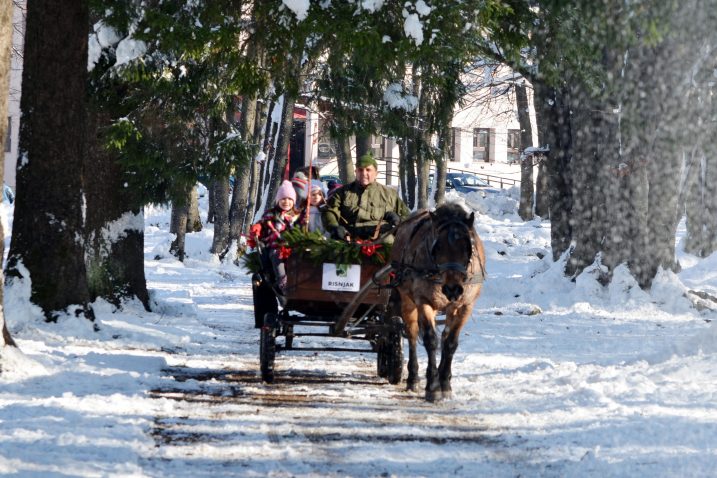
(313, 414)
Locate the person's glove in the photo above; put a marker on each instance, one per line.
(339, 232)
(386, 228)
(392, 218)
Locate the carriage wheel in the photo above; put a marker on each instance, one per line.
(267, 348)
(264, 300)
(381, 365)
(393, 351)
(289, 335)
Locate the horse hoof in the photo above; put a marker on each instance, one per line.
(434, 396)
(412, 387)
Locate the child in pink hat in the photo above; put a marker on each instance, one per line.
(275, 221)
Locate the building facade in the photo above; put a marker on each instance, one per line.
(13, 124)
(484, 130)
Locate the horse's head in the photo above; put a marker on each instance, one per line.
(452, 247)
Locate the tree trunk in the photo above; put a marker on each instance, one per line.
(554, 109)
(408, 160)
(220, 195)
(710, 205)
(344, 160)
(651, 144)
(282, 148)
(48, 207)
(210, 202)
(422, 170)
(262, 189)
(542, 192)
(593, 185)
(694, 241)
(5, 51)
(194, 221)
(363, 144)
(239, 202)
(402, 171)
(254, 171)
(699, 203)
(406, 168)
(256, 165)
(439, 177)
(621, 193)
(525, 208)
(266, 167)
(238, 217)
(114, 225)
(637, 244)
(659, 239)
(180, 215)
(419, 142)
(192, 212)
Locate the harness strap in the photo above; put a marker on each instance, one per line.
(401, 268)
(430, 275)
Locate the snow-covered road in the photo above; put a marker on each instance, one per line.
(552, 378)
(326, 414)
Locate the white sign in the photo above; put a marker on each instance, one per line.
(341, 277)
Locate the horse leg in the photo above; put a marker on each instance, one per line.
(410, 319)
(449, 340)
(430, 341)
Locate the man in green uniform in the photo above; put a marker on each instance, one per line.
(364, 208)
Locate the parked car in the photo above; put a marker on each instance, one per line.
(329, 177)
(467, 183)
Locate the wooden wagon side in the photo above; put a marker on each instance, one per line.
(304, 291)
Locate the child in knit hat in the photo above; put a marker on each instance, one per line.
(311, 213)
(300, 183)
(275, 221)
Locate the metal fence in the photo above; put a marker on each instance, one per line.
(389, 174)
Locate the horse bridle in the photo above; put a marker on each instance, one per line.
(452, 266)
(439, 269)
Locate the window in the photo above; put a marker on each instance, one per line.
(481, 144)
(513, 145)
(8, 136)
(377, 146)
(471, 180)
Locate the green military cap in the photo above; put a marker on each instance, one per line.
(366, 160)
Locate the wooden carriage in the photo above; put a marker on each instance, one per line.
(355, 306)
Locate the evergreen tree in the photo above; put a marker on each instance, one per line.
(48, 208)
(172, 123)
(605, 75)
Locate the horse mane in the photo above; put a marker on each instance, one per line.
(450, 211)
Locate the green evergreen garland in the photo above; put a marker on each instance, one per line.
(317, 249)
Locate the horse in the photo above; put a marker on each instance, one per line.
(438, 263)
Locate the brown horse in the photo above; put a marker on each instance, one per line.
(439, 263)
